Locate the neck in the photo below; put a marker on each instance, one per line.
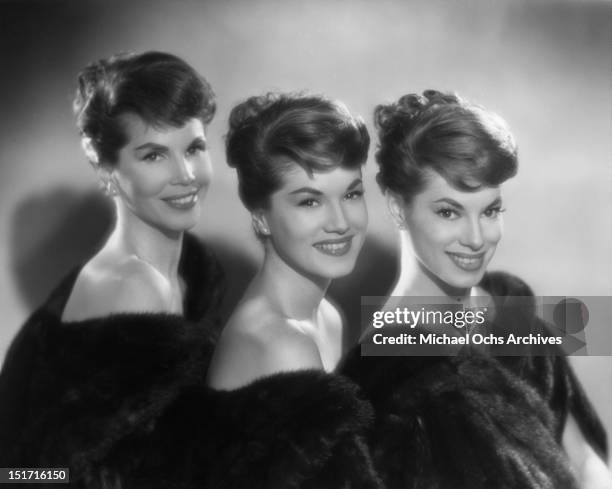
(416, 280)
(134, 237)
(294, 294)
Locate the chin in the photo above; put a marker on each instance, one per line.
(184, 223)
(172, 228)
(466, 281)
(340, 270)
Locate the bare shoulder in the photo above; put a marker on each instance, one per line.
(127, 286)
(257, 342)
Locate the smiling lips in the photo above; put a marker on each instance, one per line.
(335, 247)
(184, 201)
(466, 261)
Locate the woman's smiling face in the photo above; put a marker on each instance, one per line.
(162, 174)
(454, 233)
(317, 222)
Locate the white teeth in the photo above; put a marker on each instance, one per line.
(334, 248)
(467, 261)
(469, 264)
(189, 199)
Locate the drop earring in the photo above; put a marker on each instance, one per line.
(109, 189)
(260, 227)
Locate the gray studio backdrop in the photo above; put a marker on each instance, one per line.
(543, 65)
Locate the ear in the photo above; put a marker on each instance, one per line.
(260, 223)
(397, 209)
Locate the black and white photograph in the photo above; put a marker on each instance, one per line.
(306, 244)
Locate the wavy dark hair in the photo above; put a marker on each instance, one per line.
(271, 133)
(466, 144)
(159, 87)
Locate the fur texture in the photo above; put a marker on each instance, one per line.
(291, 430)
(71, 393)
(551, 375)
(474, 421)
(457, 422)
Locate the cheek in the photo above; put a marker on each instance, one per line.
(290, 227)
(145, 182)
(431, 234)
(204, 169)
(493, 232)
(357, 215)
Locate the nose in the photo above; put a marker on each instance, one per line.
(336, 220)
(472, 235)
(185, 171)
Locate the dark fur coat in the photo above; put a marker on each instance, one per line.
(551, 375)
(72, 393)
(302, 429)
(472, 421)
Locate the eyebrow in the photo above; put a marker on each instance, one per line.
(454, 203)
(161, 147)
(314, 191)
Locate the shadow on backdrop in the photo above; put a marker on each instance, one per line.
(239, 269)
(62, 228)
(53, 232)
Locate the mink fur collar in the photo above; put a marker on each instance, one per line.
(457, 422)
(72, 391)
(301, 429)
(461, 421)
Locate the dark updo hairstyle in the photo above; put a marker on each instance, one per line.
(467, 145)
(271, 133)
(160, 88)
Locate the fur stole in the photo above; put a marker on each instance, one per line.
(551, 375)
(71, 393)
(457, 422)
(300, 429)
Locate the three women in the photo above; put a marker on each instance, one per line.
(274, 414)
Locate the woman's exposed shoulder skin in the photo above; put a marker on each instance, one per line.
(258, 341)
(125, 286)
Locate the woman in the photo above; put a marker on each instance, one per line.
(284, 421)
(442, 162)
(299, 164)
(95, 365)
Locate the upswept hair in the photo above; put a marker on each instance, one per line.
(271, 133)
(160, 88)
(467, 145)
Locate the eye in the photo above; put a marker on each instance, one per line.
(447, 213)
(308, 203)
(354, 195)
(493, 212)
(196, 148)
(153, 156)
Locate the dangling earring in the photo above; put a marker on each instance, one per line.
(260, 227)
(109, 189)
(396, 209)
